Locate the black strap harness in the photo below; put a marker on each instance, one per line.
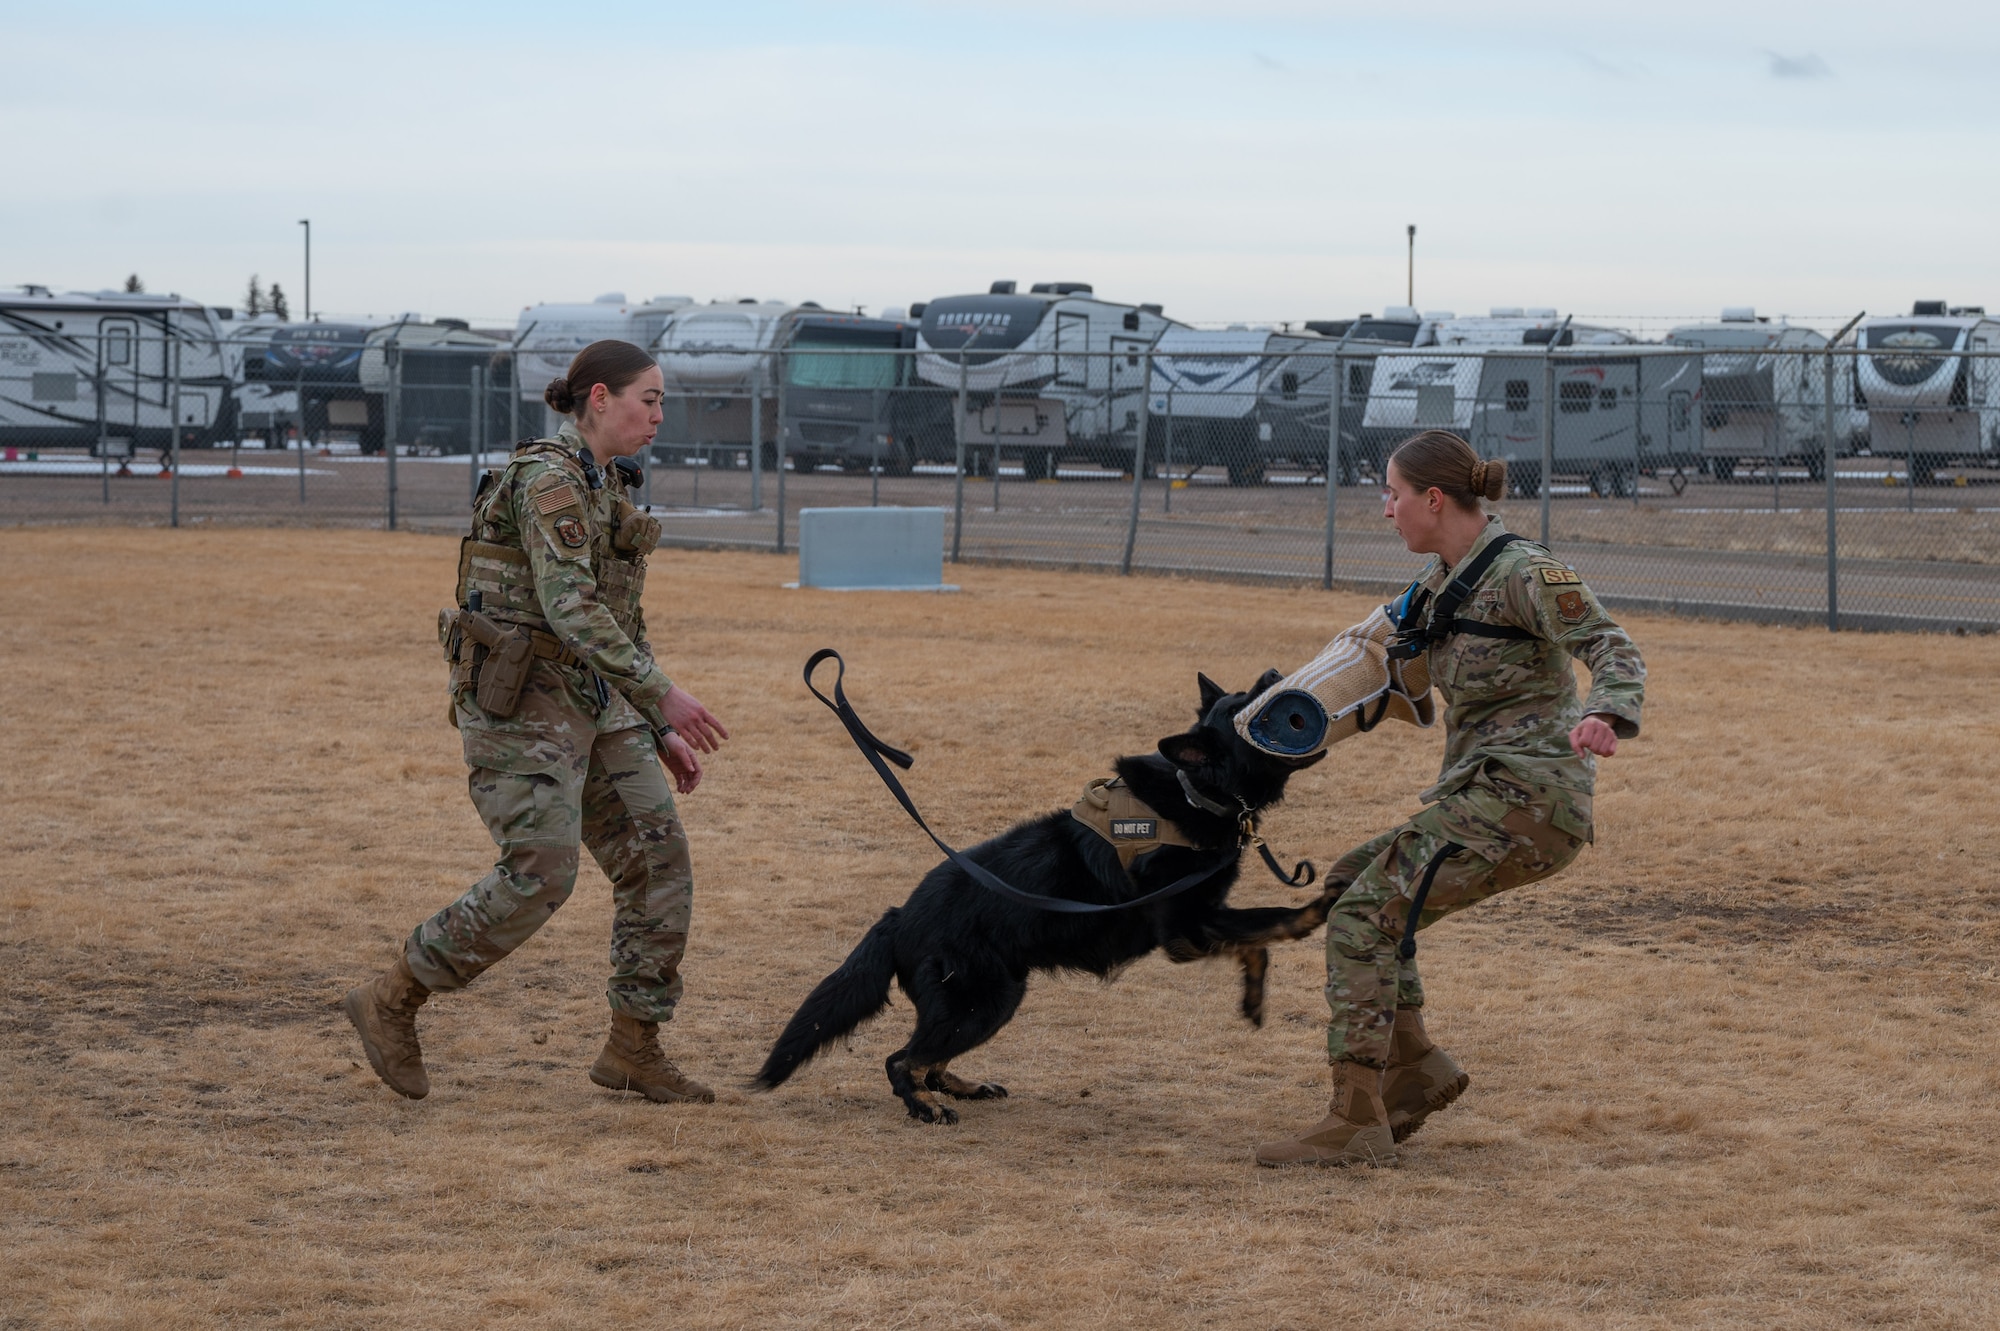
(1423, 623)
(880, 755)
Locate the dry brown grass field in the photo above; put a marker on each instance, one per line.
(1732, 1069)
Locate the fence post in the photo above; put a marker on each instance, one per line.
(475, 426)
(958, 478)
(174, 444)
(297, 398)
(103, 424)
(779, 445)
(1138, 454)
(392, 404)
(1832, 490)
(1333, 472)
(756, 444)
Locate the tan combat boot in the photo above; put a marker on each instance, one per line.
(384, 1011)
(1355, 1130)
(1421, 1079)
(632, 1061)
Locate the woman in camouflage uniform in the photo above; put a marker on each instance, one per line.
(557, 557)
(1511, 806)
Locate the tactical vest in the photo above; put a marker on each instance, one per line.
(1110, 809)
(493, 559)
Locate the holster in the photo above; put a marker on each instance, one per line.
(498, 664)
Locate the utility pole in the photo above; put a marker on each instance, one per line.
(306, 222)
(1409, 293)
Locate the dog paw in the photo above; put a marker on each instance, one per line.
(924, 1113)
(986, 1090)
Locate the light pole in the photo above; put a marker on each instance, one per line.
(1410, 293)
(306, 222)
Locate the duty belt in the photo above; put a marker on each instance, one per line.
(548, 647)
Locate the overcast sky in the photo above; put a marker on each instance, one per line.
(1252, 160)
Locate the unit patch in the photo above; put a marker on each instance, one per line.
(1135, 829)
(569, 529)
(1571, 608)
(1561, 577)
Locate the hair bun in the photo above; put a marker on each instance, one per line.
(559, 397)
(1489, 478)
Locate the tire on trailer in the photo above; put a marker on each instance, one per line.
(1524, 480)
(1038, 464)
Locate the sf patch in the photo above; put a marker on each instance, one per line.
(1135, 829)
(569, 530)
(1571, 608)
(1561, 577)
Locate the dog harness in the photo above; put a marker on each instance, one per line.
(1132, 826)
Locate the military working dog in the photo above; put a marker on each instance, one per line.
(963, 954)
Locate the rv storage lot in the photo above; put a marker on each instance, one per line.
(1732, 1069)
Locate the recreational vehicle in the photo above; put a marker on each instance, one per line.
(443, 388)
(1051, 371)
(111, 370)
(1763, 407)
(1202, 400)
(314, 369)
(1935, 408)
(716, 359)
(1619, 411)
(851, 398)
(1243, 399)
(549, 336)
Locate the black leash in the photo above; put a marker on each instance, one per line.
(876, 752)
(1407, 949)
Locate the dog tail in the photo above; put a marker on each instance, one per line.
(839, 1003)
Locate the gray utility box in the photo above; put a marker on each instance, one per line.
(872, 549)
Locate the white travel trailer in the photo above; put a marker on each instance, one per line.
(1244, 398)
(549, 336)
(1925, 403)
(1759, 406)
(111, 368)
(1620, 411)
(1518, 326)
(1055, 370)
(716, 360)
(1202, 399)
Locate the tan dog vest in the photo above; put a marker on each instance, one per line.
(1110, 809)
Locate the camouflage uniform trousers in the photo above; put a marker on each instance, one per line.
(560, 772)
(1507, 834)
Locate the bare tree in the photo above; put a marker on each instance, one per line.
(279, 305)
(253, 299)
(133, 283)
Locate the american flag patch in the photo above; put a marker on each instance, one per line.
(555, 499)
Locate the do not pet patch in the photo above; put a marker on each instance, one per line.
(1135, 829)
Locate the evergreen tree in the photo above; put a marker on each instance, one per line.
(279, 305)
(253, 299)
(133, 283)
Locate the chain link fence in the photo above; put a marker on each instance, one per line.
(1853, 482)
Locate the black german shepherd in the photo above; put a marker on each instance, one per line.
(963, 954)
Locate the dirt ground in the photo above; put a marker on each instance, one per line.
(1729, 1070)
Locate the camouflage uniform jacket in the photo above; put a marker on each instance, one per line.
(586, 550)
(1514, 700)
